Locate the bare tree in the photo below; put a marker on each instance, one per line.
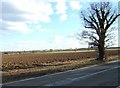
(98, 18)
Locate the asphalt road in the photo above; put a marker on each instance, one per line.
(96, 75)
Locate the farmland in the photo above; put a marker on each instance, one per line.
(22, 61)
(36, 62)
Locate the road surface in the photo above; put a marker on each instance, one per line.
(96, 75)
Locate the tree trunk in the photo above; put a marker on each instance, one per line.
(101, 50)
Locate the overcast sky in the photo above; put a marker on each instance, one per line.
(41, 24)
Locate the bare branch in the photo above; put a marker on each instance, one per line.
(99, 17)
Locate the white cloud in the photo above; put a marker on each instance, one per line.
(34, 10)
(74, 43)
(44, 30)
(19, 27)
(61, 7)
(75, 5)
(41, 29)
(0, 20)
(58, 42)
(24, 45)
(61, 42)
(63, 17)
(40, 11)
(37, 26)
(19, 12)
(58, 39)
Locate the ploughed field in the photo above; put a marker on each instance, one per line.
(31, 60)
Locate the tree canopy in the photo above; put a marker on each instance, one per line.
(98, 18)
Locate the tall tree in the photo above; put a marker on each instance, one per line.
(98, 18)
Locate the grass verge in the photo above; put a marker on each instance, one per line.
(13, 75)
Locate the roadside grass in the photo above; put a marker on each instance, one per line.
(12, 75)
(112, 58)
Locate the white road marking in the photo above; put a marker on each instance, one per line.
(118, 86)
(70, 80)
(57, 73)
